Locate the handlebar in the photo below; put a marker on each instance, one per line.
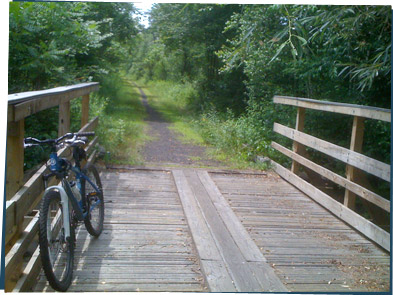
(69, 138)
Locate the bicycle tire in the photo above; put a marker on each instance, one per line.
(94, 220)
(53, 263)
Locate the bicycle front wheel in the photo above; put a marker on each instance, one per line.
(57, 252)
(94, 220)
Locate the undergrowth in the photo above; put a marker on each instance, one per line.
(172, 101)
(121, 127)
(230, 140)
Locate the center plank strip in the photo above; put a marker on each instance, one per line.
(213, 266)
(250, 251)
(248, 271)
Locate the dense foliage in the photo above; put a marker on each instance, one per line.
(239, 56)
(181, 45)
(56, 44)
(230, 59)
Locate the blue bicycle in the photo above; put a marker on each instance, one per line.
(78, 199)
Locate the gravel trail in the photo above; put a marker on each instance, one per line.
(165, 148)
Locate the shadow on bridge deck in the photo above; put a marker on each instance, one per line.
(191, 230)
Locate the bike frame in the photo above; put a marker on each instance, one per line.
(66, 193)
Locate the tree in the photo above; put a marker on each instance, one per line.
(61, 43)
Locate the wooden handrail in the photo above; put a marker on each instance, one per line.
(22, 198)
(358, 222)
(353, 187)
(347, 156)
(336, 107)
(22, 105)
(356, 162)
(25, 200)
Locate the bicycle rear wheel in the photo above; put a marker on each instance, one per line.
(94, 220)
(57, 252)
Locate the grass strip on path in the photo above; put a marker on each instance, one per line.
(122, 128)
(172, 101)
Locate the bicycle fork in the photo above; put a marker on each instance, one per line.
(66, 197)
(64, 204)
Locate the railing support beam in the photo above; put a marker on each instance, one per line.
(85, 110)
(352, 173)
(64, 118)
(15, 157)
(22, 197)
(297, 147)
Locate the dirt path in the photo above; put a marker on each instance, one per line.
(165, 148)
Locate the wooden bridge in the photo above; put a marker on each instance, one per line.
(198, 230)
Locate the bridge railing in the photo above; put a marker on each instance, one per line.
(352, 157)
(21, 222)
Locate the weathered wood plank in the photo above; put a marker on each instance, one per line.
(335, 107)
(352, 158)
(297, 147)
(199, 229)
(246, 245)
(307, 255)
(14, 157)
(30, 274)
(90, 126)
(28, 103)
(10, 114)
(64, 118)
(10, 225)
(242, 275)
(364, 226)
(217, 276)
(15, 255)
(131, 287)
(352, 172)
(85, 110)
(346, 183)
(135, 270)
(17, 98)
(29, 195)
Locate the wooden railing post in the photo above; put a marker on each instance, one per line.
(15, 157)
(297, 147)
(64, 118)
(85, 110)
(22, 197)
(14, 181)
(355, 182)
(356, 145)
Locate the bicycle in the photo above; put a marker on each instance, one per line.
(64, 206)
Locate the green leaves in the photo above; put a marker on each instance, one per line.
(304, 41)
(279, 50)
(58, 43)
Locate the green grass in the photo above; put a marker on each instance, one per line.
(122, 129)
(172, 100)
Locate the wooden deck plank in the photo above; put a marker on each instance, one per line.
(186, 230)
(246, 245)
(310, 249)
(217, 276)
(256, 261)
(242, 272)
(146, 244)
